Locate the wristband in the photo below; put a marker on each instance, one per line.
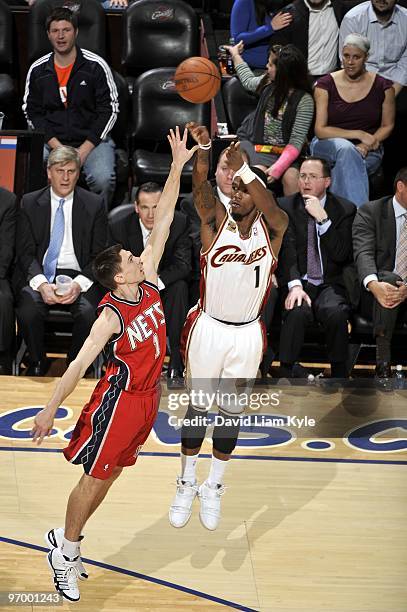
(247, 175)
(206, 146)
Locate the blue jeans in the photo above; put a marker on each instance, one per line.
(350, 171)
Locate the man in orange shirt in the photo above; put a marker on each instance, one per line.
(70, 94)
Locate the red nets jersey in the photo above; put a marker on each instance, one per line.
(136, 354)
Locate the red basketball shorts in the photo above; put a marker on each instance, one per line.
(111, 429)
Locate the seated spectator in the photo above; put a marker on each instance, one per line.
(315, 31)
(70, 94)
(316, 248)
(380, 251)
(251, 23)
(132, 232)
(275, 135)
(7, 238)
(60, 230)
(354, 115)
(384, 23)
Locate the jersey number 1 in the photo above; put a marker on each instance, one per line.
(257, 271)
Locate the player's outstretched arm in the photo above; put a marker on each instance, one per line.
(204, 199)
(104, 327)
(263, 199)
(166, 205)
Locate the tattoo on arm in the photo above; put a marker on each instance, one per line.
(204, 198)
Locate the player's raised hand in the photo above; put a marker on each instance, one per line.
(198, 132)
(234, 157)
(180, 153)
(43, 423)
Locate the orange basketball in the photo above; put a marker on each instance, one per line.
(197, 80)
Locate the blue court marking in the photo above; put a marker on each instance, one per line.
(126, 572)
(208, 456)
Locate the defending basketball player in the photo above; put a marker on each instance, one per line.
(223, 334)
(121, 411)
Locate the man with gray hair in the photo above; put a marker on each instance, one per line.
(60, 230)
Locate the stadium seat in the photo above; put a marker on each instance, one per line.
(92, 26)
(158, 34)
(238, 103)
(120, 135)
(7, 89)
(156, 108)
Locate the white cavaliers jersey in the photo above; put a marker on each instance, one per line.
(236, 273)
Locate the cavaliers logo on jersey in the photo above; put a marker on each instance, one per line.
(231, 253)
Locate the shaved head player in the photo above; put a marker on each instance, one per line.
(223, 334)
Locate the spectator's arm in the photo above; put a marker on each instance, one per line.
(239, 22)
(364, 242)
(388, 116)
(98, 237)
(107, 105)
(249, 81)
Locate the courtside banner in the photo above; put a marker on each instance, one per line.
(8, 152)
(277, 421)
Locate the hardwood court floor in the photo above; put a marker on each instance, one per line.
(301, 530)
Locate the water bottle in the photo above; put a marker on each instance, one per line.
(230, 69)
(399, 377)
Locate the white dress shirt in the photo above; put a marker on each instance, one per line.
(323, 35)
(399, 212)
(223, 198)
(67, 259)
(321, 229)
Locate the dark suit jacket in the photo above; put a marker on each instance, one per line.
(175, 262)
(374, 237)
(8, 213)
(336, 242)
(297, 32)
(89, 231)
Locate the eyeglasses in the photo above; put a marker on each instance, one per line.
(311, 177)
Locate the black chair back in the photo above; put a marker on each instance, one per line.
(238, 103)
(91, 20)
(158, 33)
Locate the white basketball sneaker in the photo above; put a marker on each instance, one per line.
(53, 539)
(181, 508)
(209, 496)
(65, 574)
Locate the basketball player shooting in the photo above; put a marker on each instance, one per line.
(223, 334)
(122, 409)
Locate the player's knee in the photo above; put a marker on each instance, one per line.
(193, 427)
(226, 432)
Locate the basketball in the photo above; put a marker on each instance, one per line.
(197, 80)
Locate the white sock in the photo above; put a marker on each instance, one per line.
(70, 549)
(188, 463)
(216, 472)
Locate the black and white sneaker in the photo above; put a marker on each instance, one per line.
(65, 574)
(53, 539)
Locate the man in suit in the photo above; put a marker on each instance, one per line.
(7, 238)
(132, 232)
(315, 31)
(60, 230)
(380, 250)
(316, 248)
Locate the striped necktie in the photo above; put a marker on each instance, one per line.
(55, 243)
(314, 268)
(401, 251)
